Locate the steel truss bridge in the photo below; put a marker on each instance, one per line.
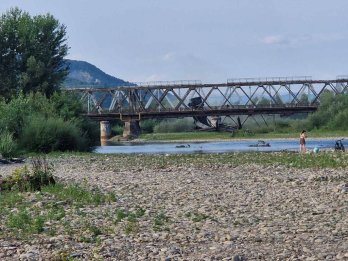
(247, 96)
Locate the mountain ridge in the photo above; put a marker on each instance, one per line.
(83, 74)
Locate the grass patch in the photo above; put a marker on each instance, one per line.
(10, 199)
(131, 227)
(55, 212)
(130, 217)
(19, 220)
(28, 213)
(78, 195)
(90, 233)
(25, 223)
(160, 221)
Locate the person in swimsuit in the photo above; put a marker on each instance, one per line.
(303, 141)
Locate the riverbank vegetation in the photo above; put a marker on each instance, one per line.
(33, 202)
(35, 123)
(203, 136)
(34, 115)
(162, 161)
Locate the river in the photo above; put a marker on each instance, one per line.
(214, 146)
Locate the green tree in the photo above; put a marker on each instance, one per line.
(332, 113)
(32, 51)
(303, 100)
(264, 102)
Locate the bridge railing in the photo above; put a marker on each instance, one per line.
(215, 108)
(270, 79)
(168, 83)
(341, 77)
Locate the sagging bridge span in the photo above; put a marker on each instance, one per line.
(247, 96)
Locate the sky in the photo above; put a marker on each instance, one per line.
(207, 40)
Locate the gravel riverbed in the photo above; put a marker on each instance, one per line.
(196, 212)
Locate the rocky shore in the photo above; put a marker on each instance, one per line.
(194, 211)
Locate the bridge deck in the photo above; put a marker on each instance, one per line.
(240, 110)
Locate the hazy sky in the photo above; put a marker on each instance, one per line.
(150, 40)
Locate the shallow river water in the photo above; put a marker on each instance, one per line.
(215, 146)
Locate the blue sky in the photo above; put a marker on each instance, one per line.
(153, 40)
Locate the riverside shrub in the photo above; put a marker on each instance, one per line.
(25, 179)
(147, 126)
(31, 119)
(8, 146)
(117, 129)
(13, 114)
(332, 113)
(46, 134)
(179, 125)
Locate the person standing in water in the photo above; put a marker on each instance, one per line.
(303, 137)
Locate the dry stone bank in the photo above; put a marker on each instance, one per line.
(196, 212)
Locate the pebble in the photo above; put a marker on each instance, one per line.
(193, 212)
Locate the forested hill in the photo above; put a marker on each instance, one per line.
(84, 74)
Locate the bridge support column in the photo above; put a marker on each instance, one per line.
(131, 129)
(105, 132)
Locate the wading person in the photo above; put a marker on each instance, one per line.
(303, 137)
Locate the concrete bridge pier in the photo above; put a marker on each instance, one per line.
(105, 132)
(131, 129)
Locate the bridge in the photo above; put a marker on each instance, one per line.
(246, 96)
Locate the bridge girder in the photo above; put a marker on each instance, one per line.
(235, 97)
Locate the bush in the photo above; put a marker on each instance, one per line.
(23, 179)
(264, 129)
(340, 121)
(20, 117)
(332, 113)
(90, 131)
(42, 134)
(282, 124)
(147, 126)
(8, 147)
(299, 125)
(179, 125)
(13, 114)
(41, 174)
(117, 129)
(18, 180)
